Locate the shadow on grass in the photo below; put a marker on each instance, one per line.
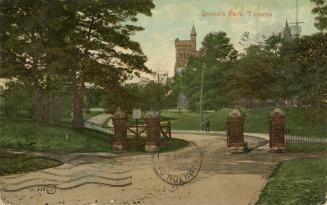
(166, 145)
(19, 163)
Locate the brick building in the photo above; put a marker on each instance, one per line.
(184, 50)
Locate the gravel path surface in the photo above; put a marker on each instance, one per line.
(99, 119)
(129, 178)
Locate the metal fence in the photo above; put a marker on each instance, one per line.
(306, 135)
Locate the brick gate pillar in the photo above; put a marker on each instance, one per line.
(277, 130)
(120, 131)
(235, 130)
(152, 120)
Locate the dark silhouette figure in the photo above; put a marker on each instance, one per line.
(207, 125)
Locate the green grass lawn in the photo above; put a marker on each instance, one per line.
(18, 163)
(28, 135)
(256, 120)
(296, 182)
(305, 147)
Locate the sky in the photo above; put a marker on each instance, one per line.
(173, 19)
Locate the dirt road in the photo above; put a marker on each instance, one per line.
(223, 178)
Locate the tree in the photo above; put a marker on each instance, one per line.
(252, 77)
(321, 11)
(215, 93)
(118, 96)
(272, 43)
(245, 39)
(216, 48)
(30, 37)
(217, 54)
(189, 83)
(93, 97)
(102, 44)
(312, 73)
(22, 36)
(145, 96)
(72, 42)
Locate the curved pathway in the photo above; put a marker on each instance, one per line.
(224, 179)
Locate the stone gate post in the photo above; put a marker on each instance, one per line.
(277, 130)
(235, 130)
(120, 131)
(152, 120)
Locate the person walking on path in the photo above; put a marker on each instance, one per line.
(207, 125)
(202, 126)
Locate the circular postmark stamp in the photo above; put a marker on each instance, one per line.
(179, 167)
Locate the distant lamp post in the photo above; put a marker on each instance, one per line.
(201, 95)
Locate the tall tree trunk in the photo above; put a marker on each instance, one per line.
(57, 111)
(46, 108)
(78, 92)
(37, 96)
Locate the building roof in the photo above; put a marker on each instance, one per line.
(193, 31)
(287, 32)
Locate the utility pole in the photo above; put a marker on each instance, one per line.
(297, 21)
(201, 96)
(297, 18)
(159, 77)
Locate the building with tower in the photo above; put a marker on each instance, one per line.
(287, 33)
(185, 49)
